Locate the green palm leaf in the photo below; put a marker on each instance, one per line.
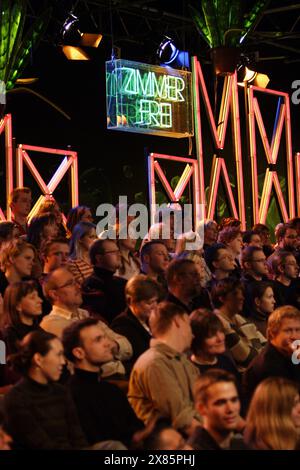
(22, 54)
(201, 25)
(17, 20)
(254, 15)
(210, 16)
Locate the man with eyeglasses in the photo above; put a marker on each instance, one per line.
(255, 269)
(63, 292)
(103, 292)
(184, 286)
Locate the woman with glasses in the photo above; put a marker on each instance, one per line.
(83, 236)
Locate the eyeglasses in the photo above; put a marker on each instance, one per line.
(71, 282)
(259, 260)
(111, 251)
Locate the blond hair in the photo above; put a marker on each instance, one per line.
(11, 250)
(269, 422)
(276, 318)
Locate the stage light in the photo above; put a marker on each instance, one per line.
(169, 54)
(72, 38)
(246, 75)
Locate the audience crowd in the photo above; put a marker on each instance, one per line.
(144, 344)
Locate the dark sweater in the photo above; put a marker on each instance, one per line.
(103, 294)
(103, 409)
(128, 325)
(42, 416)
(270, 363)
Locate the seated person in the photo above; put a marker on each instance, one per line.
(273, 419)
(155, 260)
(83, 236)
(21, 308)
(103, 292)
(276, 359)
(16, 262)
(162, 379)
(103, 409)
(217, 401)
(263, 304)
(61, 289)
(142, 295)
(208, 345)
(242, 337)
(184, 286)
(38, 412)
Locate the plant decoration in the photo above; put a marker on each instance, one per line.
(223, 23)
(17, 45)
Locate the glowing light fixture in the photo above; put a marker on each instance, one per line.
(72, 38)
(169, 54)
(246, 75)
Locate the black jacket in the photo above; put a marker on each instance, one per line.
(128, 325)
(103, 409)
(269, 363)
(103, 294)
(42, 416)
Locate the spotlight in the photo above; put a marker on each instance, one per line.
(246, 75)
(168, 53)
(72, 38)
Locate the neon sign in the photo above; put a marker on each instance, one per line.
(148, 99)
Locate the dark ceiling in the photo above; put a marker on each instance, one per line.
(139, 24)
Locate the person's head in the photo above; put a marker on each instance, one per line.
(21, 303)
(252, 238)
(295, 222)
(155, 257)
(216, 399)
(18, 256)
(219, 259)
(169, 320)
(273, 415)
(229, 222)
(284, 264)
(284, 328)
(42, 228)
(287, 237)
(263, 297)
(229, 293)
(232, 238)
(61, 289)
(20, 201)
(105, 254)
(210, 231)
(83, 236)
(165, 233)
(264, 233)
(159, 435)
(199, 263)
(7, 232)
(78, 214)
(40, 357)
(208, 332)
(183, 277)
(142, 295)
(86, 345)
(54, 253)
(254, 261)
(50, 206)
